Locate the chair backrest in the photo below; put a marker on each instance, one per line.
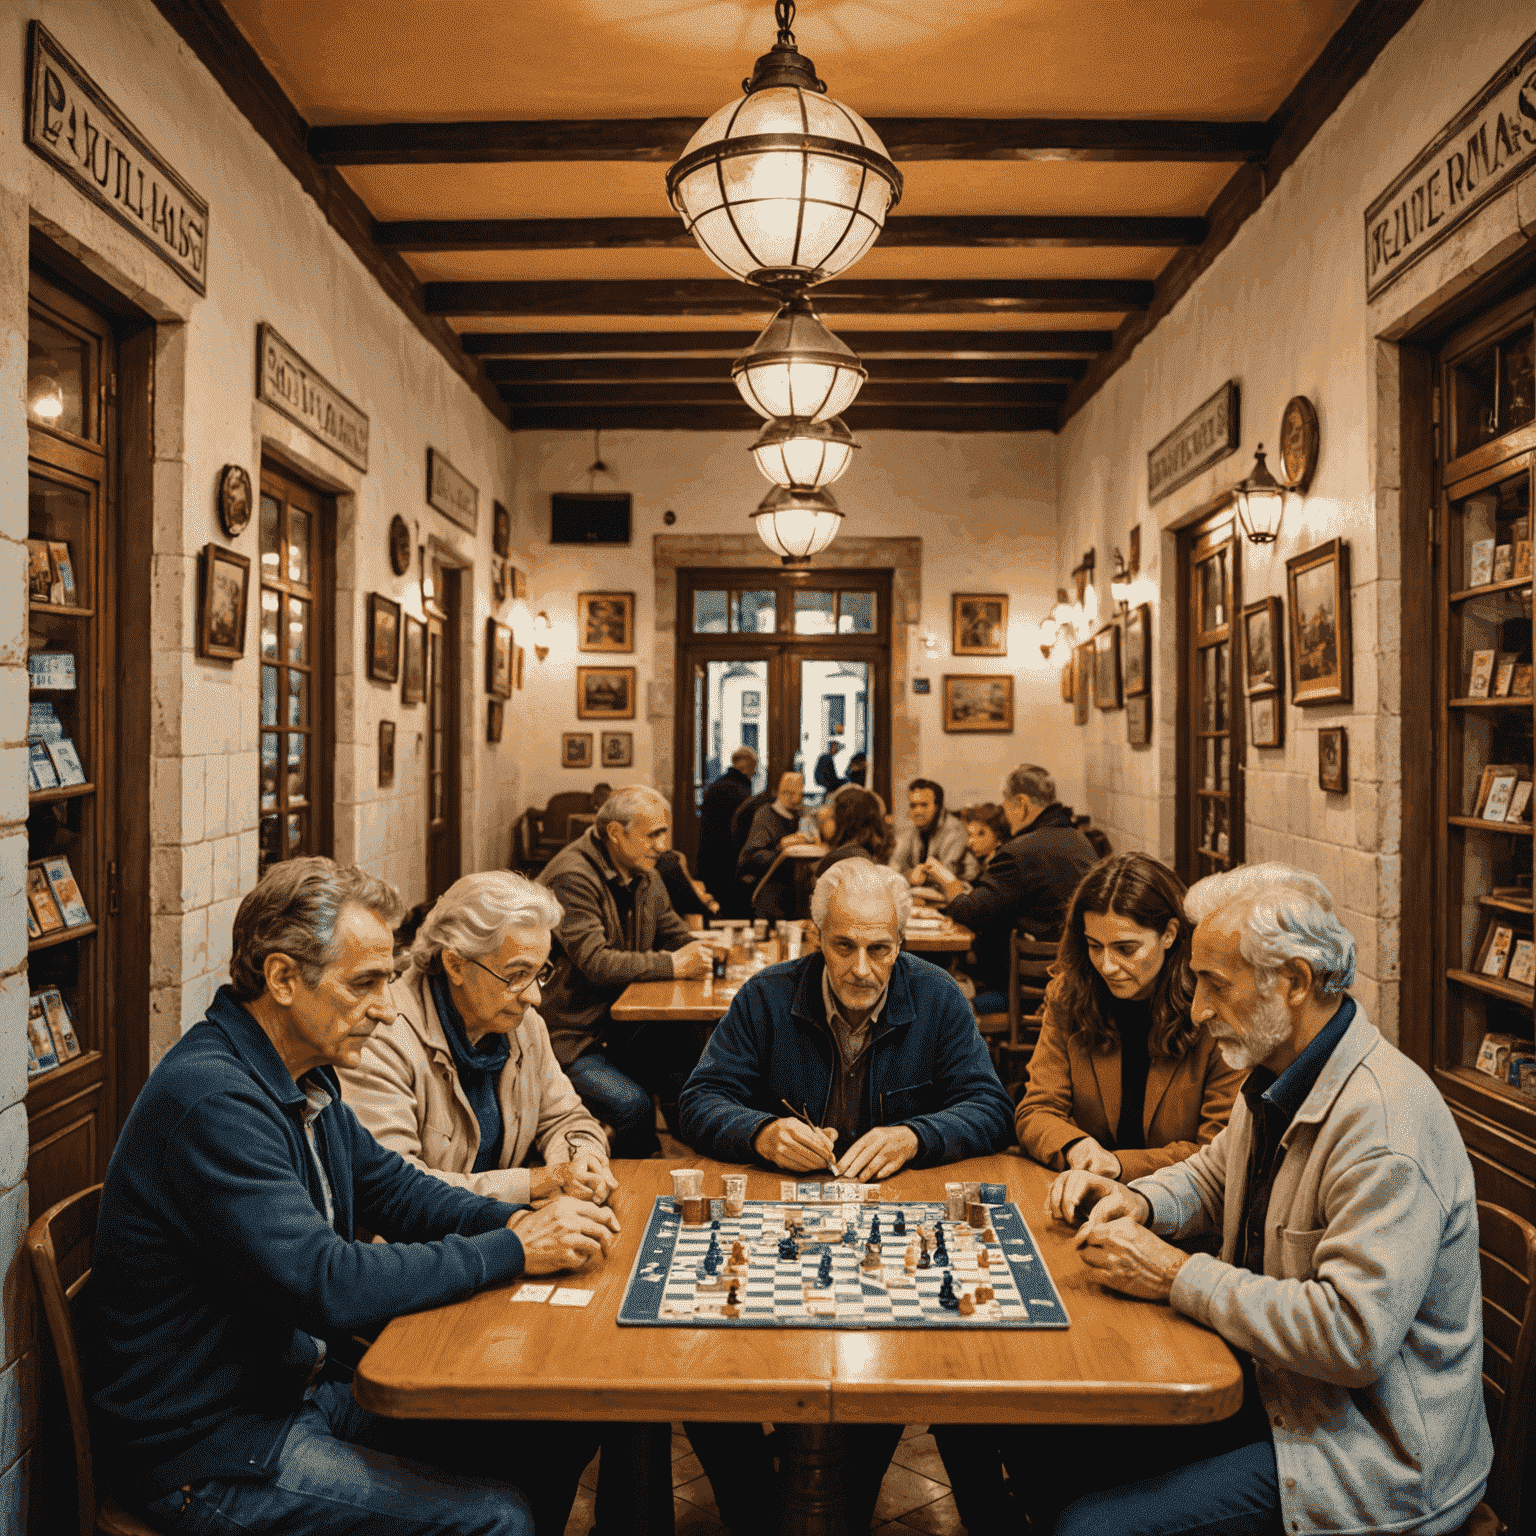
(1029, 963)
(1507, 1251)
(62, 1243)
(558, 812)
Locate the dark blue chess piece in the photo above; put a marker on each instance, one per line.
(940, 1252)
(874, 1232)
(824, 1273)
(850, 1235)
(714, 1226)
(787, 1248)
(947, 1298)
(900, 1229)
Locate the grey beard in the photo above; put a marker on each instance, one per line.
(1269, 1029)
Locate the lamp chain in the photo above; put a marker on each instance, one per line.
(784, 14)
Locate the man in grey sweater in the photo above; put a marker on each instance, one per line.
(619, 927)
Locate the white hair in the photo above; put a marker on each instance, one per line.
(1289, 916)
(623, 805)
(866, 878)
(472, 917)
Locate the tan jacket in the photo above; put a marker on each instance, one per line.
(1074, 1093)
(407, 1094)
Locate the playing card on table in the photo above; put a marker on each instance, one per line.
(533, 1293)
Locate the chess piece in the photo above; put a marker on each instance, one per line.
(788, 1251)
(714, 1225)
(738, 1253)
(733, 1299)
(870, 1261)
(874, 1231)
(983, 1259)
(850, 1234)
(947, 1298)
(965, 1306)
(900, 1228)
(910, 1262)
(976, 1215)
(940, 1252)
(989, 1236)
(923, 1261)
(984, 1293)
(824, 1273)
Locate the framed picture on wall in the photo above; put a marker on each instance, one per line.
(618, 749)
(1263, 645)
(221, 620)
(1266, 720)
(605, 693)
(495, 714)
(1106, 668)
(1333, 759)
(413, 679)
(576, 749)
(1068, 680)
(978, 701)
(1321, 638)
(386, 753)
(517, 667)
(1138, 720)
(1082, 688)
(605, 621)
(1138, 650)
(980, 623)
(501, 530)
(383, 639)
(498, 660)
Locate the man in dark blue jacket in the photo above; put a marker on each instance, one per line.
(880, 1047)
(227, 1276)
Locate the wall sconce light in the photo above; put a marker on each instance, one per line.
(1057, 625)
(1260, 502)
(429, 604)
(1120, 584)
(540, 632)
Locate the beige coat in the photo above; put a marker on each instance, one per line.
(407, 1094)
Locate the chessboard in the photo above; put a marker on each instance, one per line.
(839, 1264)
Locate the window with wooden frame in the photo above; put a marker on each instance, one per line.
(1211, 725)
(297, 620)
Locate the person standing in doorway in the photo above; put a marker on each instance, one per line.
(717, 853)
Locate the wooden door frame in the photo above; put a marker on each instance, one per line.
(452, 628)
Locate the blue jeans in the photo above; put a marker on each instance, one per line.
(615, 1081)
(344, 1472)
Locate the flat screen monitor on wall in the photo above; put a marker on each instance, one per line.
(580, 517)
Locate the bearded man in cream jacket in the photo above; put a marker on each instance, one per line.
(1348, 1279)
(463, 1083)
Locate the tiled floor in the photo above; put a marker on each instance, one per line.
(914, 1496)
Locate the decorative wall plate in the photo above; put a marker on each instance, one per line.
(1299, 440)
(234, 499)
(399, 545)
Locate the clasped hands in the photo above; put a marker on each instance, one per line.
(801, 1148)
(1114, 1240)
(586, 1177)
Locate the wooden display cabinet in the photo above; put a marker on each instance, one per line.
(1483, 852)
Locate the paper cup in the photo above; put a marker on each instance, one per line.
(686, 1182)
(735, 1193)
(954, 1201)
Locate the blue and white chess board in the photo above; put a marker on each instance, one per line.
(670, 1285)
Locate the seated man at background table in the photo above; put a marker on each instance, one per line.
(881, 1049)
(227, 1279)
(617, 927)
(934, 833)
(1348, 1280)
(1027, 882)
(775, 827)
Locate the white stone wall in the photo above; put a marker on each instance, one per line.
(272, 257)
(1283, 311)
(983, 506)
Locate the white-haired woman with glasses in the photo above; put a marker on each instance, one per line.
(463, 1083)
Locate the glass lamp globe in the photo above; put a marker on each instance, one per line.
(797, 524)
(797, 367)
(1260, 502)
(804, 455)
(45, 392)
(786, 187)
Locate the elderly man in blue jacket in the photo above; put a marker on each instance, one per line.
(228, 1273)
(881, 1048)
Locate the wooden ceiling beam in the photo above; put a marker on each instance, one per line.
(715, 370)
(662, 140)
(901, 296)
(738, 419)
(681, 392)
(868, 344)
(1010, 232)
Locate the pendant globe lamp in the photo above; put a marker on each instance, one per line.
(1260, 502)
(804, 455)
(797, 524)
(797, 367)
(786, 187)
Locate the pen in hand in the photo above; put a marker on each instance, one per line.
(804, 1117)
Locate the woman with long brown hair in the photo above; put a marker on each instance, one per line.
(1123, 1080)
(859, 830)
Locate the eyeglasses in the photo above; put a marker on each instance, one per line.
(540, 978)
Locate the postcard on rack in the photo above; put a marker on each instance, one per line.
(1503, 562)
(1503, 677)
(1480, 563)
(1522, 561)
(39, 571)
(39, 1042)
(42, 723)
(1520, 683)
(1519, 801)
(1498, 950)
(60, 1025)
(62, 879)
(1522, 963)
(1490, 773)
(66, 761)
(41, 773)
(63, 573)
(1500, 793)
(1482, 674)
(49, 918)
(52, 669)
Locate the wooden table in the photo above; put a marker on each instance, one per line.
(950, 939)
(1120, 1361)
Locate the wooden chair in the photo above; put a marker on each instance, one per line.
(552, 823)
(1029, 963)
(62, 1243)
(1507, 1250)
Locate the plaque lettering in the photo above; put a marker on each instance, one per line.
(454, 496)
(288, 384)
(1207, 435)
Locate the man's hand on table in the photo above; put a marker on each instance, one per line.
(792, 1144)
(794, 840)
(693, 959)
(879, 1153)
(1129, 1258)
(931, 870)
(1087, 1154)
(587, 1176)
(1095, 1195)
(564, 1234)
